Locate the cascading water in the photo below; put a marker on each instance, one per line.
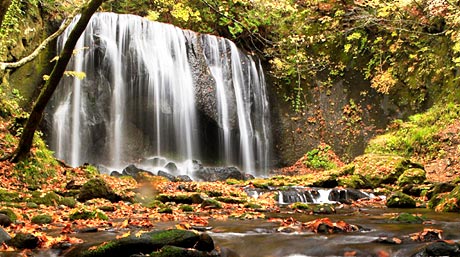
(152, 89)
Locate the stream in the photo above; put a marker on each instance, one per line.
(256, 238)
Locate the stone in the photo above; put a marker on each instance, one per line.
(97, 188)
(5, 221)
(183, 178)
(132, 171)
(400, 200)
(167, 175)
(42, 219)
(213, 174)
(346, 195)
(24, 241)
(171, 167)
(4, 236)
(412, 176)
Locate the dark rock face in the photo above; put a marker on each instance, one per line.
(440, 248)
(97, 188)
(167, 175)
(24, 241)
(132, 171)
(219, 174)
(5, 221)
(346, 195)
(4, 236)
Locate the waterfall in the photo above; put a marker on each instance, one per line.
(154, 90)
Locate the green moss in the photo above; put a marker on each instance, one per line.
(83, 214)
(232, 200)
(165, 210)
(253, 206)
(42, 219)
(101, 249)
(400, 200)
(355, 181)
(412, 176)
(6, 196)
(449, 202)
(49, 199)
(68, 201)
(408, 218)
(211, 204)
(186, 208)
(10, 213)
(301, 206)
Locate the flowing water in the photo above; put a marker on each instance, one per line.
(154, 90)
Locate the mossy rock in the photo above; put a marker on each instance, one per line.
(49, 199)
(83, 214)
(68, 201)
(301, 206)
(412, 176)
(382, 168)
(408, 218)
(181, 198)
(356, 181)
(186, 208)
(6, 196)
(449, 202)
(97, 188)
(10, 213)
(145, 243)
(253, 206)
(439, 188)
(166, 210)
(324, 208)
(31, 205)
(231, 200)
(400, 200)
(211, 204)
(42, 219)
(174, 251)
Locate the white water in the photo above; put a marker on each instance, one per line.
(138, 98)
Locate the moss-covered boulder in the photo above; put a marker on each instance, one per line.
(97, 188)
(6, 196)
(356, 181)
(145, 244)
(408, 218)
(211, 204)
(448, 202)
(84, 214)
(24, 241)
(5, 221)
(174, 251)
(42, 219)
(400, 200)
(10, 213)
(181, 198)
(440, 188)
(48, 199)
(381, 169)
(412, 176)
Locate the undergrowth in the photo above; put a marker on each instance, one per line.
(418, 135)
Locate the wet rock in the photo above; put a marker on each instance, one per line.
(24, 241)
(166, 175)
(356, 181)
(323, 209)
(440, 188)
(116, 174)
(408, 218)
(400, 200)
(219, 174)
(183, 178)
(346, 195)
(97, 188)
(132, 171)
(154, 162)
(440, 248)
(10, 213)
(293, 195)
(171, 167)
(4, 236)
(174, 251)
(71, 185)
(5, 221)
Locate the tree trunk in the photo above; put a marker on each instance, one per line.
(4, 5)
(25, 143)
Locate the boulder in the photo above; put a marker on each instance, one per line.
(24, 241)
(4, 236)
(183, 178)
(440, 248)
(167, 175)
(171, 167)
(5, 221)
(97, 188)
(213, 174)
(412, 176)
(132, 171)
(400, 200)
(145, 244)
(174, 251)
(447, 202)
(346, 195)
